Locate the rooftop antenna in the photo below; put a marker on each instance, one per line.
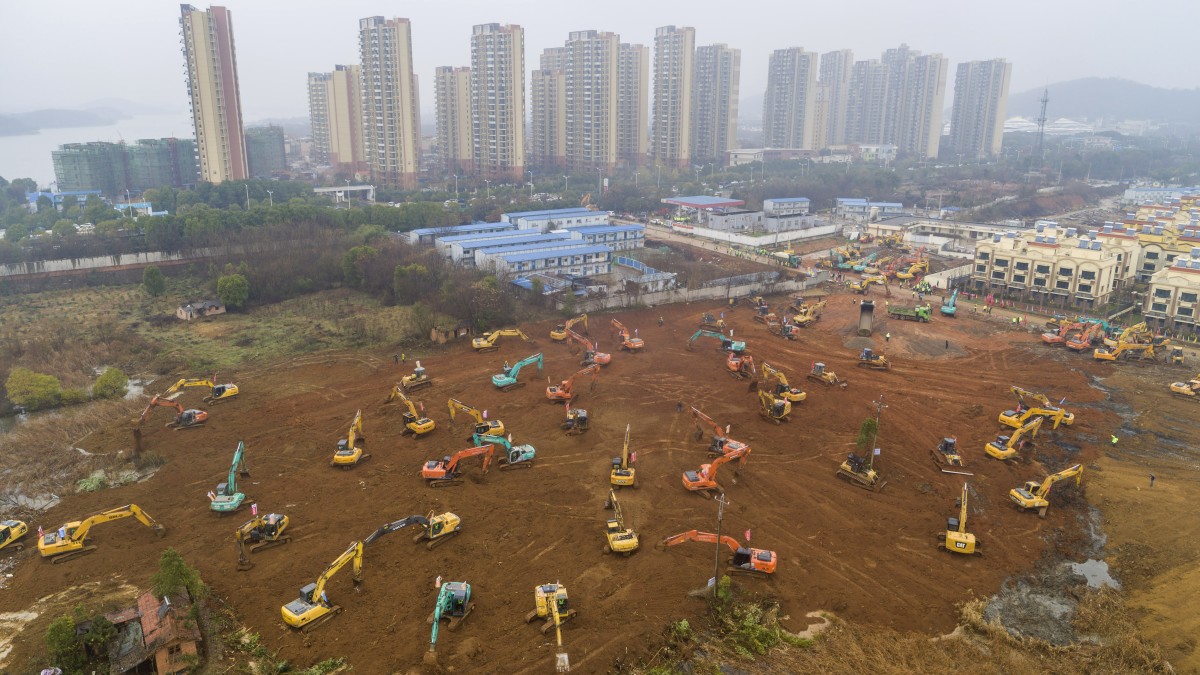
(1039, 147)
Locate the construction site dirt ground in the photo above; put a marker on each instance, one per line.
(869, 557)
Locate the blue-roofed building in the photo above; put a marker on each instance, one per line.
(57, 198)
(464, 251)
(481, 256)
(578, 260)
(853, 207)
(786, 206)
(445, 245)
(427, 235)
(619, 237)
(555, 218)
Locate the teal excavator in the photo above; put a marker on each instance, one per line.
(950, 307)
(507, 380)
(453, 603)
(228, 499)
(727, 344)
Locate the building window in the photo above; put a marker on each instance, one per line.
(1018, 278)
(981, 269)
(1151, 255)
(998, 274)
(1184, 311)
(1001, 262)
(1187, 297)
(1041, 283)
(1085, 289)
(1042, 269)
(1022, 266)
(1162, 293)
(1089, 275)
(1148, 267)
(984, 255)
(1065, 272)
(1158, 307)
(1063, 285)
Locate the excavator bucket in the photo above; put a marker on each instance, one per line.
(562, 663)
(430, 658)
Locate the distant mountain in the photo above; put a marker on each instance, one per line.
(1110, 98)
(125, 107)
(11, 126)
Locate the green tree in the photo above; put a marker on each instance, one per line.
(353, 263)
(64, 646)
(153, 281)
(112, 383)
(99, 634)
(31, 390)
(411, 283)
(16, 232)
(866, 434)
(175, 575)
(234, 290)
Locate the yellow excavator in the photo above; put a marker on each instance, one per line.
(552, 605)
(620, 539)
(1006, 447)
(1138, 332)
(956, 539)
(861, 287)
(781, 389)
(1035, 495)
(1127, 351)
(350, 449)
(559, 333)
(1189, 389)
(772, 408)
(487, 343)
(482, 424)
(10, 532)
(1041, 407)
(415, 423)
(69, 541)
(623, 474)
(216, 393)
(313, 608)
(807, 314)
(262, 532)
(436, 530)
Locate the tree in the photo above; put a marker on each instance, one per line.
(353, 262)
(112, 383)
(174, 575)
(31, 390)
(64, 645)
(411, 283)
(99, 634)
(866, 434)
(153, 281)
(234, 290)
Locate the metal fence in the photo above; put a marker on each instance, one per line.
(648, 273)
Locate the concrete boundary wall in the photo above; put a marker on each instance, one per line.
(764, 240)
(678, 295)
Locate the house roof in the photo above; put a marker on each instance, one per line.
(560, 253)
(703, 202)
(473, 227)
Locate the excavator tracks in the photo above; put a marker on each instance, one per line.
(269, 544)
(78, 553)
(317, 623)
(858, 481)
(518, 465)
(440, 540)
(438, 483)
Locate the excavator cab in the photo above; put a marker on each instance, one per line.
(577, 421)
(753, 560)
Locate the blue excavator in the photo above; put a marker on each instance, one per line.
(507, 380)
(228, 499)
(950, 307)
(514, 456)
(454, 604)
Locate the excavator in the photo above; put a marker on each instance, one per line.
(226, 498)
(720, 444)
(487, 342)
(590, 355)
(437, 530)
(1059, 338)
(513, 457)
(552, 605)
(1006, 447)
(1041, 407)
(622, 474)
(507, 380)
(453, 604)
(482, 424)
(826, 377)
(946, 454)
(446, 471)
(1138, 332)
(863, 263)
(745, 560)
(862, 286)
(415, 423)
(263, 532)
(313, 608)
(559, 333)
(620, 539)
(629, 343)
(577, 421)
(1035, 495)
(1087, 339)
(781, 389)
(918, 266)
(710, 322)
(69, 540)
(565, 390)
(10, 532)
(419, 379)
(950, 308)
(704, 479)
(1177, 356)
(184, 419)
(1189, 389)
(740, 366)
(807, 314)
(956, 539)
(350, 449)
(727, 344)
(774, 409)
(1128, 351)
(216, 394)
(872, 360)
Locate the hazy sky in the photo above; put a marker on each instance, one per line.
(69, 52)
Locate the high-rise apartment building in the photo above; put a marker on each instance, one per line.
(633, 103)
(715, 88)
(591, 99)
(789, 106)
(335, 110)
(866, 109)
(213, 89)
(834, 82)
(671, 118)
(548, 118)
(265, 151)
(498, 100)
(452, 101)
(318, 115)
(391, 134)
(915, 93)
(980, 99)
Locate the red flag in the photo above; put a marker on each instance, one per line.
(254, 509)
(421, 405)
(633, 457)
(485, 414)
(747, 535)
(40, 532)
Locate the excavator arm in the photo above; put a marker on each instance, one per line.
(705, 423)
(456, 406)
(1075, 472)
(485, 451)
(701, 537)
(395, 525)
(131, 510)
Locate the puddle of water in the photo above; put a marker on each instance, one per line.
(136, 388)
(1096, 572)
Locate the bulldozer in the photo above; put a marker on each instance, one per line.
(870, 359)
(448, 470)
(11, 532)
(629, 342)
(436, 530)
(508, 379)
(453, 604)
(69, 541)
(781, 389)
(482, 424)
(350, 449)
(419, 379)
(216, 392)
(1007, 447)
(513, 457)
(262, 532)
(577, 421)
(711, 323)
(623, 474)
(552, 605)
(826, 377)
(704, 479)
(487, 342)
(1034, 495)
(565, 390)
(956, 539)
(415, 423)
(773, 409)
(1177, 356)
(312, 608)
(559, 332)
(745, 560)
(860, 471)
(619, 539)
(226, 498)
(946, 454)
(740, 366)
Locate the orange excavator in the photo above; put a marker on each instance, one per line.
(629, 342)
(720, 444)
(590, 355)
(1087, 339)
(448, 470)
(1059, 337)
(565, 390)
(740, 366)
(746, 560)
(704, 479)
(184, 419)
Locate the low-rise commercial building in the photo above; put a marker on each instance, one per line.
(555, 218)
(1171, 302)
(576, 261)
(857, 208)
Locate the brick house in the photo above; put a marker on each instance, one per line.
(157, 630)
(197, 310)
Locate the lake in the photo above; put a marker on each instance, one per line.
(29, 156)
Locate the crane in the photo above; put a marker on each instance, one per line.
(227, 499)
(184, 419)
(559, 333)
(69, 540)
(453, 603)
(446, 471)
(590, 355)
(216, 393)
(781, 389)
(727, 344)
(704, 479)
(415, 423)
(956, 539)
(720, 444)
(622, 474)
(313, 608)
(1041, 407)
(745, 560)
(487, 342)
(950, 307)
(565, 390)
(507, 380)
(774, 409)
(629, 342)
(482, 424)
(1034, 495)
(437, 530)
(619, 538)
(552, 604)
(263, 532)
(1007, 447)
(514, 456)
(350, 449)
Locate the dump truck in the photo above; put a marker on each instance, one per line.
(866, 312)
(918, 313)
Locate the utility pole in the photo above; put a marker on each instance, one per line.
(879, 406)
(721, 502)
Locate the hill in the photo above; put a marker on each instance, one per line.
(1110, 98)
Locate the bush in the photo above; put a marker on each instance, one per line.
(74, 396)
(112, 383)
(33, 391)
(63, 644)
(153, 281)
(234, 290)
(174, 575)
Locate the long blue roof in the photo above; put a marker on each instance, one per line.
(589, 229)
(550, 212)
(542, 255)
(533, 241)
(484, 236)
(473, 227)
(789, 200)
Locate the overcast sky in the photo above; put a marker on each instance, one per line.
(69, 52)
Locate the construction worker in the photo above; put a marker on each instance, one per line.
(887, 337)
(660, 321)
(1114, 439)
(1151, 480)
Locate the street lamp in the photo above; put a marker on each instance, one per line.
(247, 196)
(271, 198)
(599, 181)
(456, 186)
(710, 171)
(530, 184)
(658, 178)
(488, 187)
(565, 182)
(635, 175)
(347, 191)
